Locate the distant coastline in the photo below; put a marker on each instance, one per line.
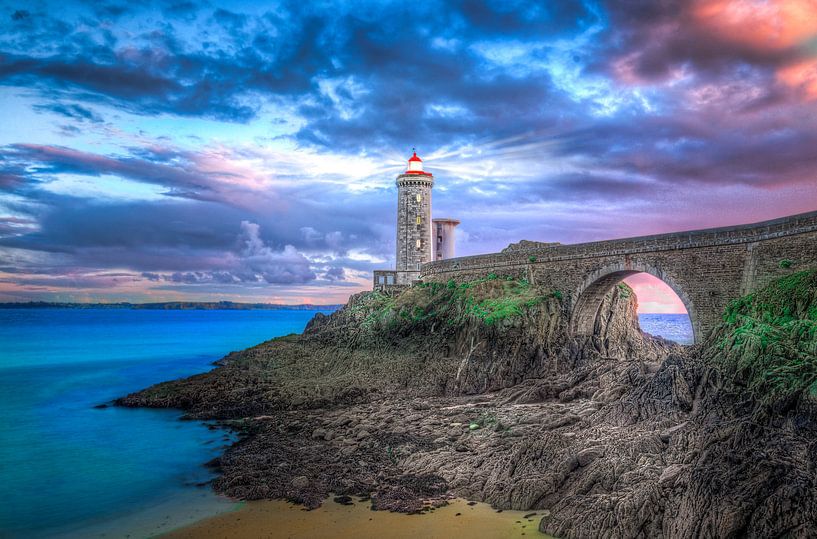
(174, 306)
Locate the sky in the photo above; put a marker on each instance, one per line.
(157, 151)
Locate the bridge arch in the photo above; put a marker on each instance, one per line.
(595, 286)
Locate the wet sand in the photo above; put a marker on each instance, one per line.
(279, 519)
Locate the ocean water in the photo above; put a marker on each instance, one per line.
(675, 327)
(68, 469)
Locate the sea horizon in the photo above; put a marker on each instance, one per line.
(74, 465)
(65, 439)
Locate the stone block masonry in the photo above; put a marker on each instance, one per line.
(706, 268)
(414, 242)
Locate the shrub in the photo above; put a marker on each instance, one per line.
(786, 263)
(768, 339)
(488, 300)
(531, 259)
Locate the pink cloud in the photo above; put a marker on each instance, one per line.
(801, 76)
(759, 24)
(783, 26)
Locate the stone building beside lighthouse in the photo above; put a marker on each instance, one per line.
(416, 238)
(444, 244)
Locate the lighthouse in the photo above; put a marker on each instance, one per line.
(414, 238)
(415, 230)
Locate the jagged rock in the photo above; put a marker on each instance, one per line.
(618, 435)
(586, 456)
(670, 475)
(666, 435)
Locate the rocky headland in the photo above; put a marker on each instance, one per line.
(475, 390)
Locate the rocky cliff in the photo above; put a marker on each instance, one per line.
(475, 390)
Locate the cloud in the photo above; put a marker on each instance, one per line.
(258, 261)
(250, 151)
(254, 263)
(335, 274)
(72, 111)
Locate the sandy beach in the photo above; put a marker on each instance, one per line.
(279, 519)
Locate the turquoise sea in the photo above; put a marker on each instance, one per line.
(69, 469)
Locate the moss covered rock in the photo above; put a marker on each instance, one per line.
(768, 341)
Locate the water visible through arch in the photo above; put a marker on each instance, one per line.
(660, 311)
(664, 308)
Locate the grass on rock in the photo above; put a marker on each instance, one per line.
(768, 340)
(489, 300)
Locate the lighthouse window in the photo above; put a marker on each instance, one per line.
(419, 220)
(418, 244)
(419, 198)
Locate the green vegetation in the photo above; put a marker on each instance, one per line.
(492, 300)
(531, 259)
(487, 420)
(768, 339)
(374, 308)
(786, 263)
(624, 290)
(488, 300)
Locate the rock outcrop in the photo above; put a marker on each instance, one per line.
(528, 245)
(476, 390)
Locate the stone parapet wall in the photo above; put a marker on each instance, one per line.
(786, 226)
(706, 268)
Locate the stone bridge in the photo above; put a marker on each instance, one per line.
(706, 268)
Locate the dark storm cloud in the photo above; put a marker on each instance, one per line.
(73, 111)
(623, 105)
(12, 226)
(335, 274)
(184, 9)
(206, 216)
(159, 73)
(678, 151)
(172, 244)
(75, 224)
(183, 242)
(150, 276)
(181, 178)
(128, 83)
(389, 65)
(390, 49)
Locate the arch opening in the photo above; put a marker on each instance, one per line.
(660, 311)
(663, 308)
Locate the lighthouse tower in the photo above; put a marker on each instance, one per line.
(414, 239)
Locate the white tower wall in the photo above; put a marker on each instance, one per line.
(444, 238)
